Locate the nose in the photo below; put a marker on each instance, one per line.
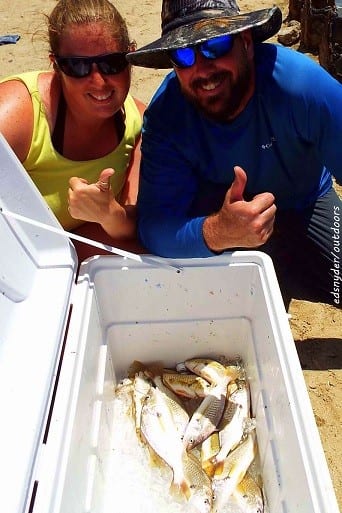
(95, 73)
(203, 63)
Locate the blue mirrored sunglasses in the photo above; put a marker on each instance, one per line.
(80, 67)
(211, 49)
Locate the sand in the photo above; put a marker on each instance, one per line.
(316, 327)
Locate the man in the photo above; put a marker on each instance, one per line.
(240, 143)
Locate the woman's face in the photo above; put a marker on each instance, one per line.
(96, 95)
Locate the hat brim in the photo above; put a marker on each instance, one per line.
(263, 23)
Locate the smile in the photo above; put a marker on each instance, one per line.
(210, 86)
(101, 97)
(211, 83)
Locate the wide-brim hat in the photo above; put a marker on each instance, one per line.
(189, 22)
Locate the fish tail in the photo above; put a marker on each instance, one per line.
(180, 489)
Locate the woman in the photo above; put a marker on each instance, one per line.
(68, 124)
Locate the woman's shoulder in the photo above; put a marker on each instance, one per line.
(19, 88)
(16, 110)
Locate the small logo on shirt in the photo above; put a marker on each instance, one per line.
(269, 144)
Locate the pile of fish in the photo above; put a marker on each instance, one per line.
(196, 419)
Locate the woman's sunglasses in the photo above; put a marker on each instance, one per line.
(211, 49)
(80, 67)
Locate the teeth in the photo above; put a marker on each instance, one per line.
(209, 86)
(101, 97)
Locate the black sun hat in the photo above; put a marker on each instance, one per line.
(189, 22)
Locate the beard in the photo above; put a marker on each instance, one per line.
(223, 107)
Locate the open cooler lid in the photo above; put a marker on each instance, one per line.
(37, 271)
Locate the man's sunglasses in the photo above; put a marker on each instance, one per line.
(80, 67)
(211, 49)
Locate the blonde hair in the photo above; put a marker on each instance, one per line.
(78, 12)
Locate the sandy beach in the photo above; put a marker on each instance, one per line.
(316, 327)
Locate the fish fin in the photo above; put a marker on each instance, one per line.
(208, 467)
(219, 468)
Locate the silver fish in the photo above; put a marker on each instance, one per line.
(179, 414)
(248, 495)
(206, 418)
(201, 496)
(232, 425)
(209, 449)
(211, 370)
(232, 470)
(187, 385)
(159, 430)
(141, 388)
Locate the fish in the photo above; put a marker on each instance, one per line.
(248, 495)
(233, 469)
(187, 385)
(209, 449)
(211, 370)
(179, 413)
(207, 416)
(201, 493)
(141, 388)
(124, 394)
(158, 428)
(233, 421)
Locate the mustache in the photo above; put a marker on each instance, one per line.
(214, 77)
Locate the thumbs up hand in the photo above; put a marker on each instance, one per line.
(240, 223)
(96, 203)
(92, 202)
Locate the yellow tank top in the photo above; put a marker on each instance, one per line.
(51, 172)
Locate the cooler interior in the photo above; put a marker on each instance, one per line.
(124, 311)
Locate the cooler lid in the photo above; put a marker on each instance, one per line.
(37, 271)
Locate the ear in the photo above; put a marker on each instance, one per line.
(53, 62)
(247, 40)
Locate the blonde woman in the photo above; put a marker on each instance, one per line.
(76, 129)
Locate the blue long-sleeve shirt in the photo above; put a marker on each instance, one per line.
(288, 140)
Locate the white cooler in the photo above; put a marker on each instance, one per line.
(64, 346)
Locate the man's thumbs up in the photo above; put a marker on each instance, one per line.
(240, 223)
(237, 188)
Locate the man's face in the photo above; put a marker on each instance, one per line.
(221, 88)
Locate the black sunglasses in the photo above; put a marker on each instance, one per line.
(80, 67)
(211, 49)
